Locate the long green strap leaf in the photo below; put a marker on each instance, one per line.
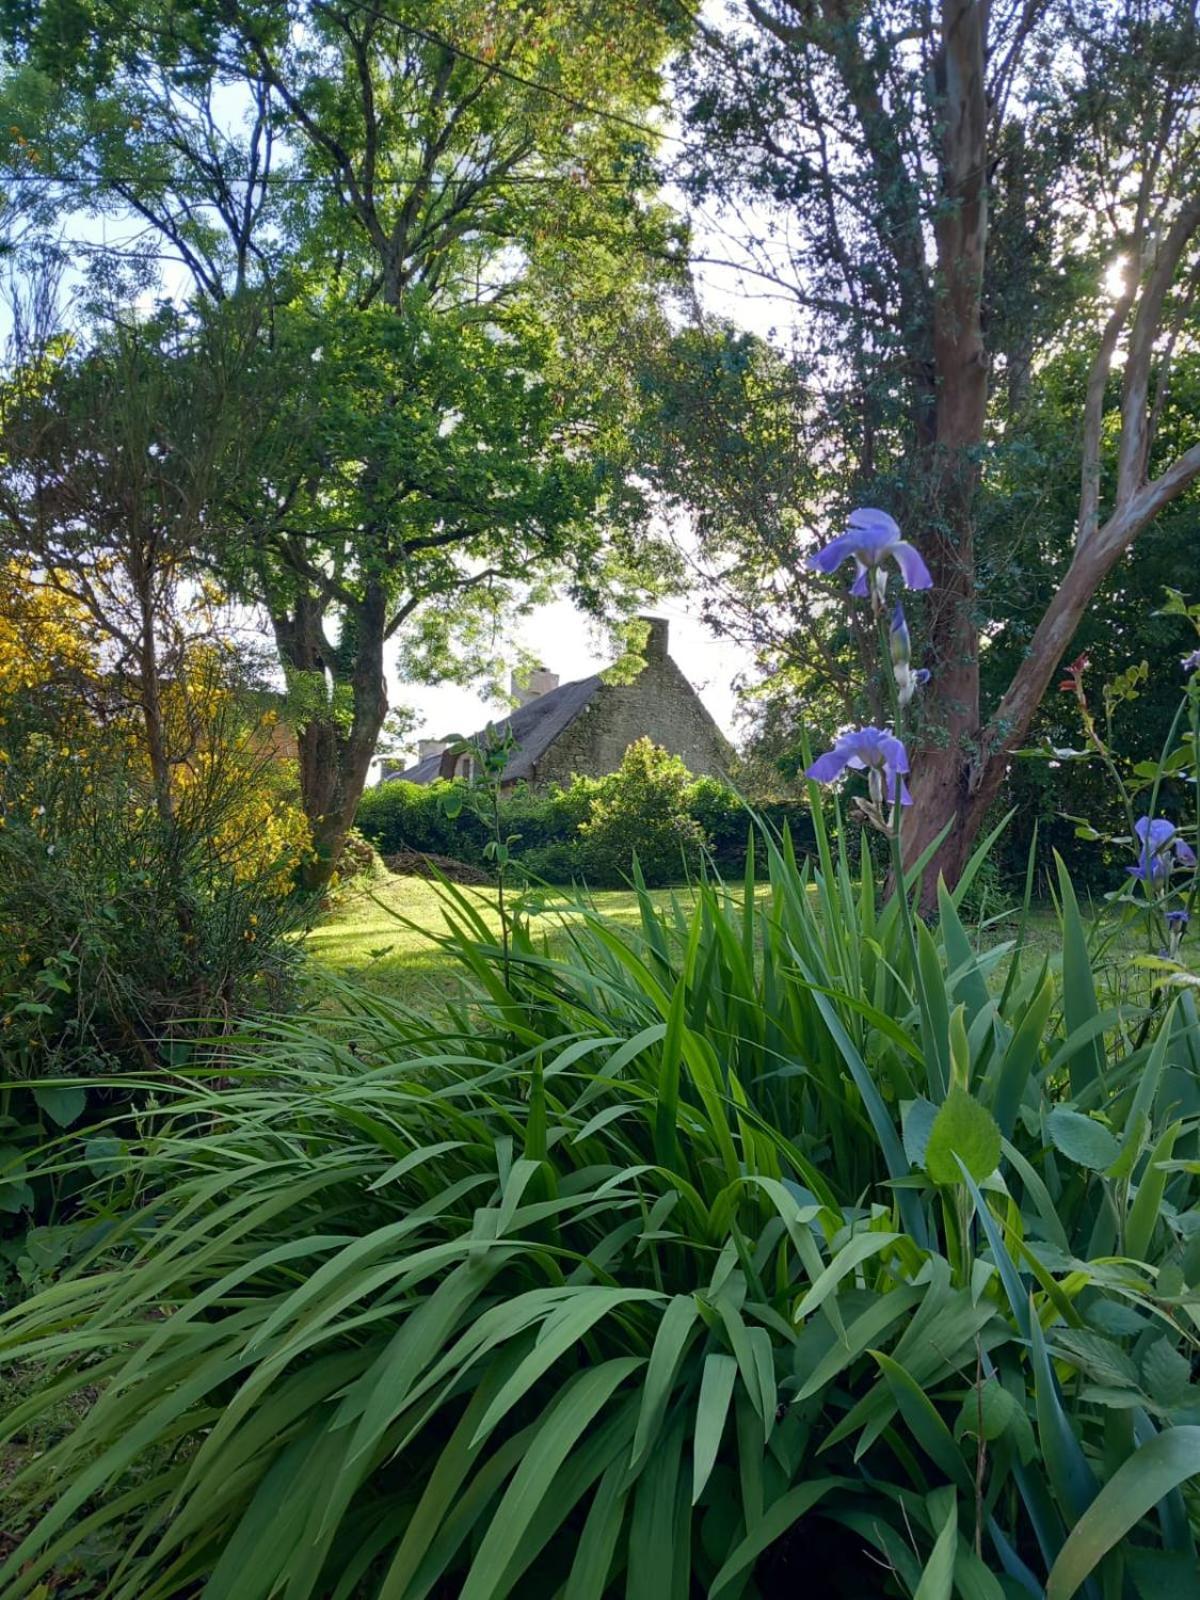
(1138, 1484)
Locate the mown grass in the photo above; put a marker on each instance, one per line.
(380, 937)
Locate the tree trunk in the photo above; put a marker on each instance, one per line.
(150, 699)
(336, 742)
(952, 460)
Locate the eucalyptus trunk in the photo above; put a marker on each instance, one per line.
(951, 429)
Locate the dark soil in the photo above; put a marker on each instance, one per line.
(413, 864)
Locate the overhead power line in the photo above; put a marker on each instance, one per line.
(428, 36)
(285, 180)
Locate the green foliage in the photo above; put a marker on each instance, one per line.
(547, 827)
(413, 816)
(631, 1279)
(644, 807)
(445, 272)
(124, 937)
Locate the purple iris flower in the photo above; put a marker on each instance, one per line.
(873, 750)
(871, 537)
(1192, 663)
(1178, 919)
(1162, 850)
(907, 678)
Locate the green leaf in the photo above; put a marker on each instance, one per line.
(851, 1255)
(987, 1411)
(598, 1541)
(15, 1197)
(716, 1387)
(1021, 1057)
(1166, 1374)
(670, 1342)
(1139, 1483)
(774, 1523)
(1081, 1139)
(554, 1438)
(63, 1104)
(937, 1580)
(924, 1420)
(965, 1129)
(561, 1333)
(917, 1119)
(1147, 1205)
(1079, 990)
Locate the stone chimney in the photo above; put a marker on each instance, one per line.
(429, 747)
(533, 685)
(656, 645)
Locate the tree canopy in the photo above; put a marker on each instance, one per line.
(442, 244)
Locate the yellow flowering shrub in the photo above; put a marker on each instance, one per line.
(45, 636)
(223, 745)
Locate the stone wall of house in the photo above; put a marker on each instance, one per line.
(659, 704)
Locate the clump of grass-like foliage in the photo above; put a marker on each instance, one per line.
(792, 1241)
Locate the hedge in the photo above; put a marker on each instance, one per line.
(551, 832)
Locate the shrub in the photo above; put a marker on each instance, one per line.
(560, 863)
(642, 808)
(789, 1235)
(125, 936)
(397, 816)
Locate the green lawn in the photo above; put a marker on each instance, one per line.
(367, 938)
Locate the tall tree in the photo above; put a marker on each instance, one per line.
(422, 197)
(948, 187)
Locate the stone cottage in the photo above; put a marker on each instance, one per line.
(586, 727)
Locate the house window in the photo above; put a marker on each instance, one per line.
(464, 767)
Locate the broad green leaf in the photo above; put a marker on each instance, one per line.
(937, 1580)
(774, 1524)
(552, 1441)
(659, 1532)
(1021, 1057)
(965, 1129)
(1082, 1139)
(917, 1119)
(562, 1332)
(924, 1421)
(598, 1541)
(674, 1332)
(1147, 1203)
(62, 1103)
(1166, 1374)
(851, 1256)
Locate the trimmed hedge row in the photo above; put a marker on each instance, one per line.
(556, 832)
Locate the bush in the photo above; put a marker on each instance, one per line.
(124, 935)
(561, 863)
(642, 809)
(552, 825)
(790, 1236)
(397, 816)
